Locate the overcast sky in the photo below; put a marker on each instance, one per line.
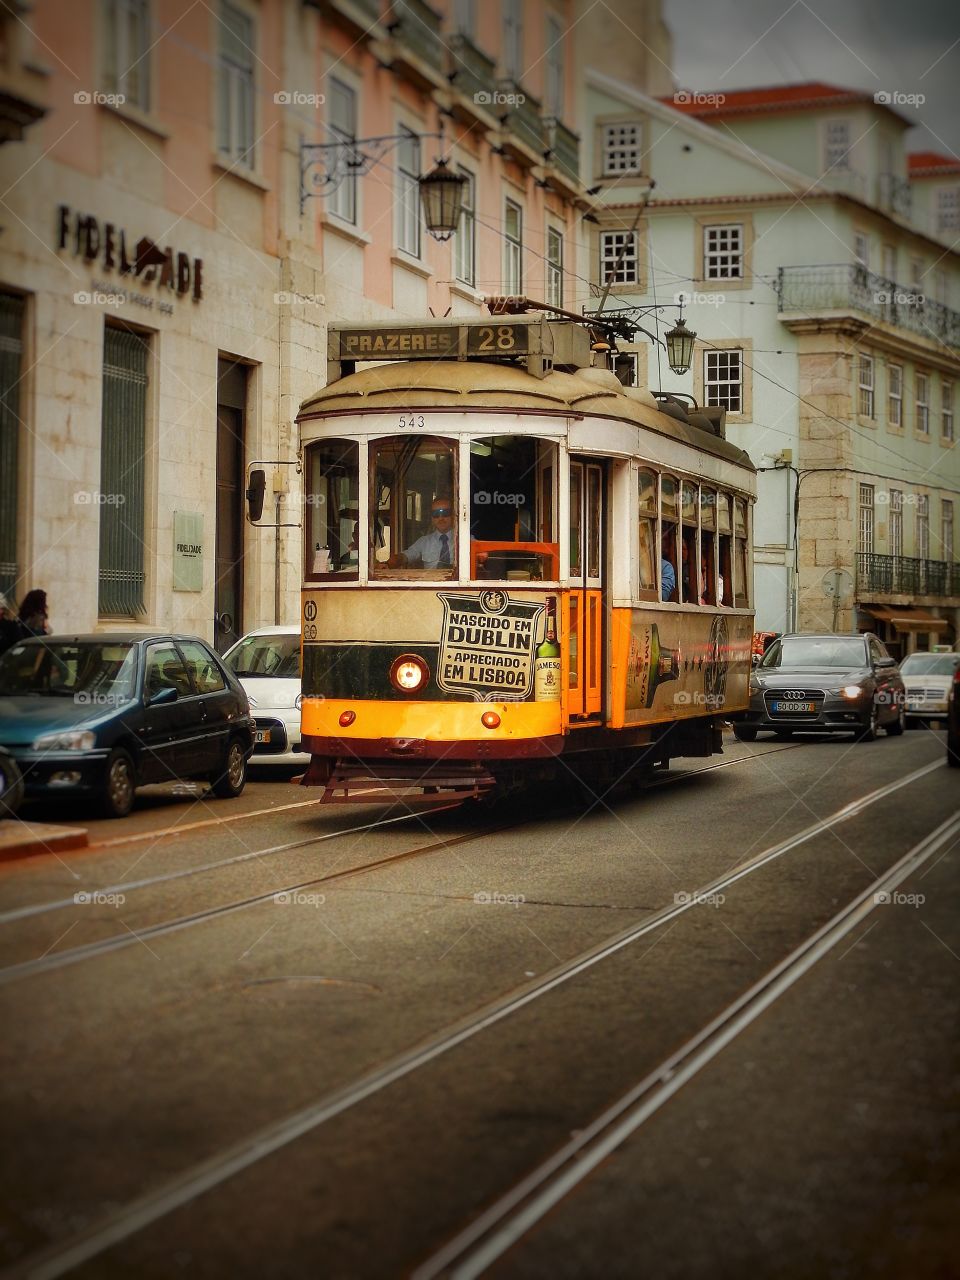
(905, 46)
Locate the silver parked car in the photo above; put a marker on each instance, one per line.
(928, 677)
(824, 683)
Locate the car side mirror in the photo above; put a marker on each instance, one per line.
(886, 662)
(257, 488)
(163, 696)
(757, 659)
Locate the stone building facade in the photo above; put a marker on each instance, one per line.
(171, 256)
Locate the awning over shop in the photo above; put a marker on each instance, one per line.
(907, 618)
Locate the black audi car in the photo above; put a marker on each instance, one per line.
(824, 683)
(99, 715)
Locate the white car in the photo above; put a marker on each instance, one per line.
(928, 677)
(267, 664)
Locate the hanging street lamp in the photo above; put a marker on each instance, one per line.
(679, 342)
(441, 196)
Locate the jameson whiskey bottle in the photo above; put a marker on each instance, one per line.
(546, 665)
(651, 665)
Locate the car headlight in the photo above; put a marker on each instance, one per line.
(71, 740)
(852, 691)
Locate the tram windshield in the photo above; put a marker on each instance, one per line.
(513, 509)
(413, 509)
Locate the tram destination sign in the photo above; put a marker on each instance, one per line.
(431, 342)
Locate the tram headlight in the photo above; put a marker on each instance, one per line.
(409, 673)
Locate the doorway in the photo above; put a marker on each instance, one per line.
(585, 599)
(231, 426)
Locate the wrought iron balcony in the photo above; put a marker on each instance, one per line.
(835, 287)
(519, 113)
(471, 72)
(895, 194)
(904, 575)
(564, 147)
(416, 27)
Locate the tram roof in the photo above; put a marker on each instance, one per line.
(459, 385)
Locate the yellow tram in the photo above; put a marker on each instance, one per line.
(514, 565)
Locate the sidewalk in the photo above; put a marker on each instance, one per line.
(23, 839)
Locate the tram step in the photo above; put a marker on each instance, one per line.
(369, 784)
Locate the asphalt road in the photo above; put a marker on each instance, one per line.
(323, 1042)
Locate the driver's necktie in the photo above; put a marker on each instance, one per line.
(444, 560)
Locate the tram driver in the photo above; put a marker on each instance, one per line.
(436, 549)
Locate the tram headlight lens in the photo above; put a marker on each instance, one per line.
(490, 720)
(409, 673)
(347, 718)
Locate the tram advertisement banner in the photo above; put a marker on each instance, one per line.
(687, 664)
(487, 645)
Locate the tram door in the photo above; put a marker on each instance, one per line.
(585, 600)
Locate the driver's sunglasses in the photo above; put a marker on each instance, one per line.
(442, 511)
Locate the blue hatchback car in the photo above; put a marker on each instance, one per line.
(100, 715)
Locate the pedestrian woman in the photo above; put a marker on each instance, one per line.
(33, 614)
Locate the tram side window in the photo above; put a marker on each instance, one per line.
(689, 563)
(647, 562)
(740, 531)
(332, 483)
(669, 520)
(513, 505)
(708, 546)
(725, 550)
(413, 510)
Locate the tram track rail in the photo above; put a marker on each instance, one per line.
(140, 1213)
(128, 886)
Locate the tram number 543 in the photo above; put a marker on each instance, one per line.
(411, 420)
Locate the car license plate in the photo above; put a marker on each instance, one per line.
(786, 707)
(261, 736)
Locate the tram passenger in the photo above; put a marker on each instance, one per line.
(668, 575)
(436, 549)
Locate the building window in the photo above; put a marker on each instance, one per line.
(890, 262)
(895, 395)
(946, 530)
(513, 39)
(946, 400)
(556, 74)
(342, 123)
(861, 249)
(627, 368)
(554, 267)
(619, 257)
(896, 522)
(940, 287)
(723, 379)
(866, 520)
(408, 193)
(466, 242)
(623, 147)
(923, 404)
(723, 252)
(836, 145)
(923, 526)
(235, 86)
(865, 386)
(126, 62)
(513, 249)
(11, 361)
(948, 209)
(123, 433)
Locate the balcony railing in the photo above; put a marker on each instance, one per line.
(895, 194)
(904, 575)
(471, 72)
(848, 286)
(564, 147)
(520, 114)
(418, 29)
